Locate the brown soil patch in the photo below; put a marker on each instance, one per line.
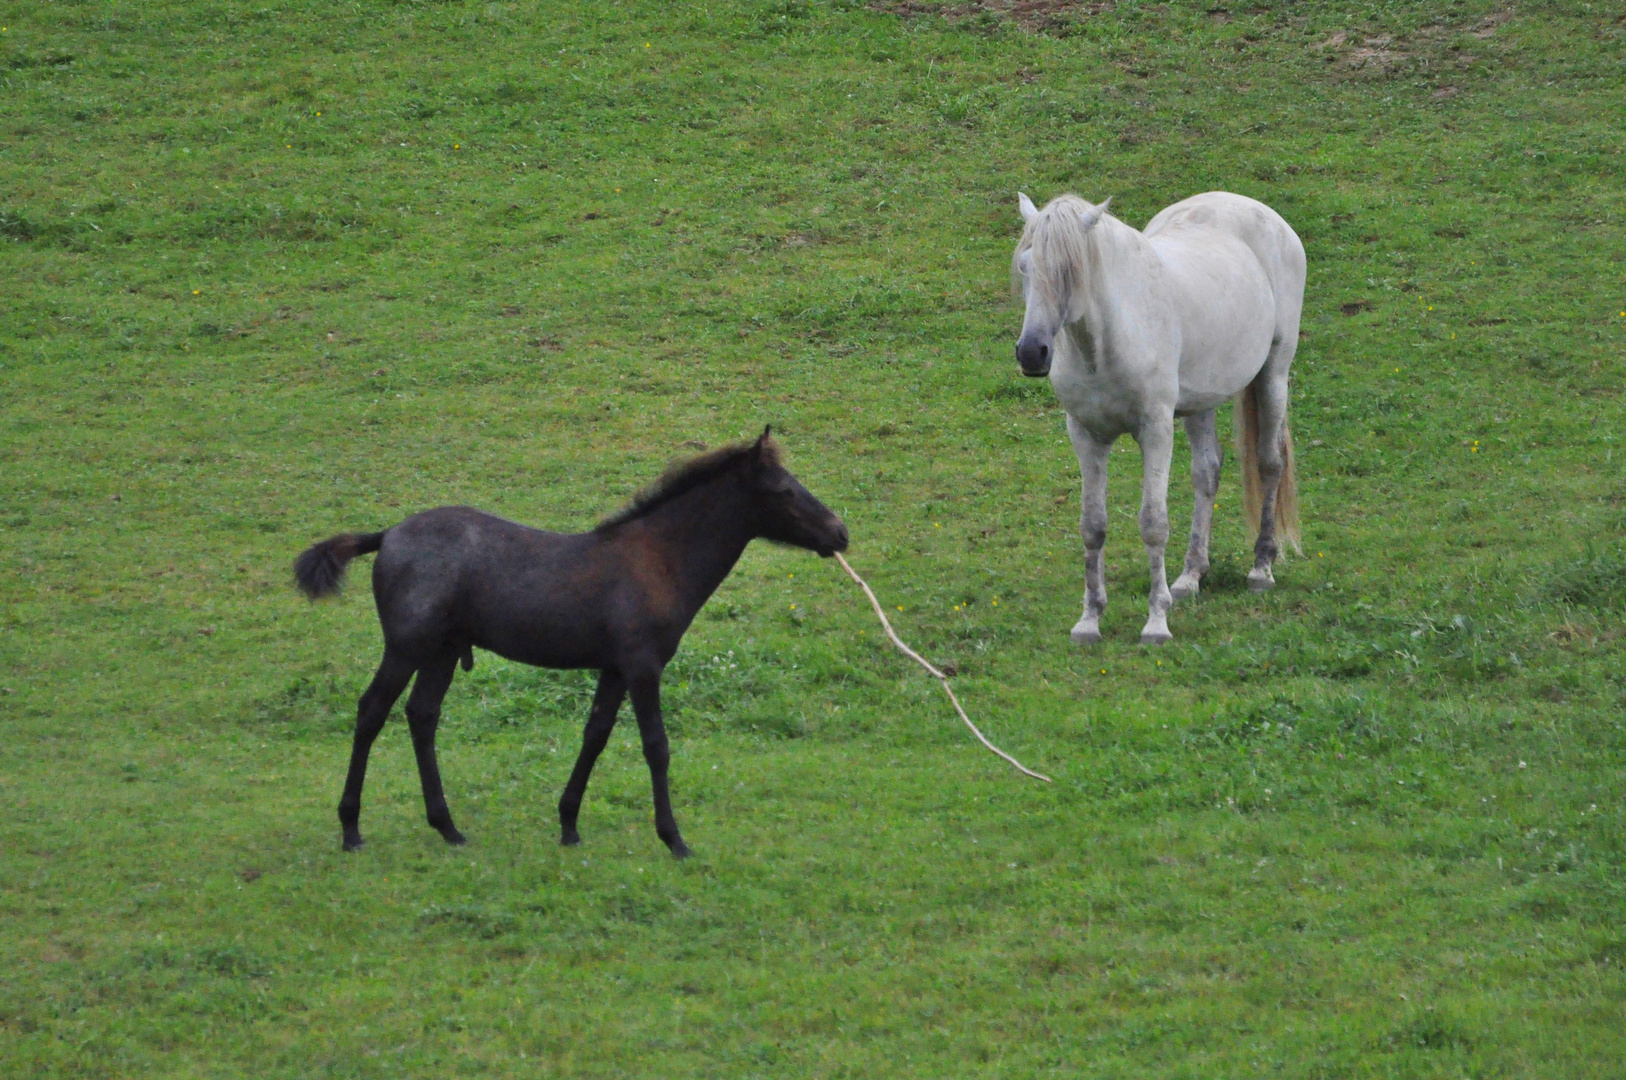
(1037, 16)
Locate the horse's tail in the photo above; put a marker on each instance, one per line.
(319, 571)
(1287, 492)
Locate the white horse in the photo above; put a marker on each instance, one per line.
(1137, 328)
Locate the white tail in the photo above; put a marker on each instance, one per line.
(1287, 493)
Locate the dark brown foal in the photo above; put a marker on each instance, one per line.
(617, 599)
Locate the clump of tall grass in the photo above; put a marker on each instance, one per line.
(1596, 579)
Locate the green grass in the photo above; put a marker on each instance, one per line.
(274, 272)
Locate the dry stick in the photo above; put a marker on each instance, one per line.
(938, 675)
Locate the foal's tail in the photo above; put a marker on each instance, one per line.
(1287, 492)
(320, 570)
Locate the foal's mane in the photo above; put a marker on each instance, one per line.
(1058, 240)
(682, 477)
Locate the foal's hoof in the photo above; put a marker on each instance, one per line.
(570, 838)
(1261, 580)
(680, 850)
(1185, 587)
(453, 837)
(1156, 637)
(354, 843)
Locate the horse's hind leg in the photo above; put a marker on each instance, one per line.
(1206, 459)
(423, 717)
(1271, 395)
(371, 712)
(1092, 526)
(1156, 448)
(600, 722)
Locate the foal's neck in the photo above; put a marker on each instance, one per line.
(706, 531)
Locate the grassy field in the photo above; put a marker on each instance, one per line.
(275, 272)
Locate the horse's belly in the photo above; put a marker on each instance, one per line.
(1227, 326)
(546, 657)
(1208, 380)
(533, 638)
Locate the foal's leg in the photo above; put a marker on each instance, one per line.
(1092, 525)
(1205, 473)
(371, 712)
(423, 717)
(1271, 394)
(1156, 447)
(646, 703)
(600, 722)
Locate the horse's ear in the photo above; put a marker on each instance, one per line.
(1025, 204)
(766, 452)
(1091, 217)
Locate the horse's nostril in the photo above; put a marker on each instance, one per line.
(1033, 356)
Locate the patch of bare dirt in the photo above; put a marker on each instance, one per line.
(1035, 16)
(1492, 23)
(1377, 55)
(1435, 48)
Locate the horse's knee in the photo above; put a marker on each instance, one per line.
(1270, 467)
(1094, 534)
(1205, 473)
(658, 753)
(1154, 527)
(422, 724)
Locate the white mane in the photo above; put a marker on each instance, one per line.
(1061, 254)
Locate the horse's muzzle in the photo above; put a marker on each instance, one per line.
(1033, 358)
(838, 542)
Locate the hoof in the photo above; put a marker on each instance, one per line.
(1156, 638)
(1260, 581)
(354, 843)
(1184, 588)
(453, 837)
(570, 838)
(1087, 631)
(680, 850)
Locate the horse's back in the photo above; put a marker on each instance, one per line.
(457, 575)
(1233, 272)
(1262, 230)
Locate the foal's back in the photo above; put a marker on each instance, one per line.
(455, 576)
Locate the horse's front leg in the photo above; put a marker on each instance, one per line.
(600, 722)
(1092, 525)
(1206, 459)
(646, 703)
(1156, 447)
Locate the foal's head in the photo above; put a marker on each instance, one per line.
(786, 512)
(777, 506)
(1050, 263)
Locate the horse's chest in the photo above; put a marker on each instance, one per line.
(1096, 393)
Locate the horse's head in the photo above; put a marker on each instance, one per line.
(787, 513)
(1050, 265)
